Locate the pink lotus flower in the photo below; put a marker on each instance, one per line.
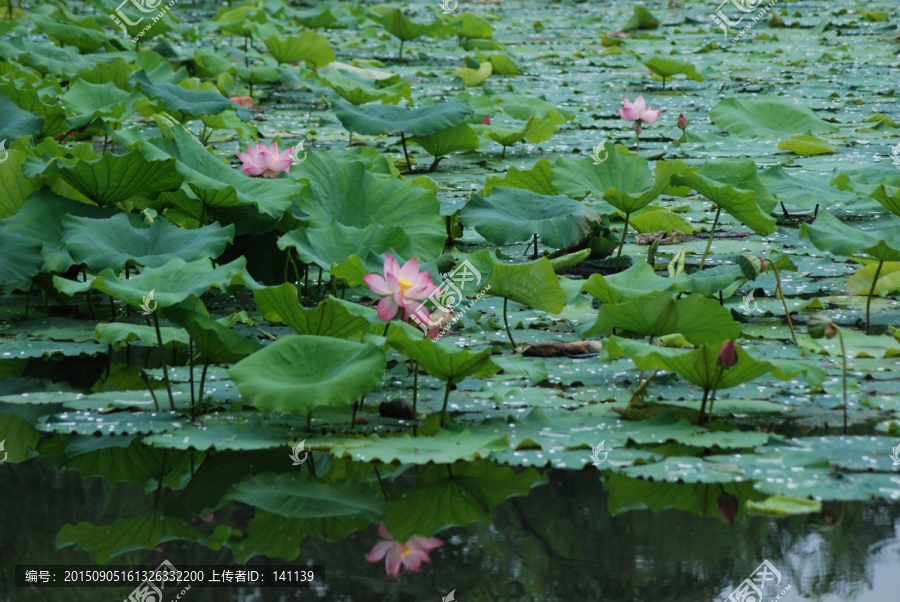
(265, 161)
(638, 113)
(411, 554)
(403, 287)
(244, 101)
(486, 120)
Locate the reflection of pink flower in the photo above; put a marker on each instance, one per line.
(639, 111)
(402, 287)
(265, 161)
(244, 101)
(411, 554)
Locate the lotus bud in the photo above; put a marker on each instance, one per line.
(763, 266)
(486, 120)
(728, 355)
(820, 326)
(728, 507)
(683, 122)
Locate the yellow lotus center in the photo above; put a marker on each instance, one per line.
(405, 285)
(405, 551)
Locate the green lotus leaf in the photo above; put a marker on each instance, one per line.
(348, 193)
(521, 107)
(115, 178)
(308, 46)
(332, 317)
(699, 319)
(475, 77)
(802, 190)
(739, 203)
(113, 242)
(888, 197)
(216, 342)
(700, 366)
(623, 180)
(740, 174)
(655, 221)
(807, 146)
(637, 281)
(334, 242)
(40, 220)
(767, 118)
(460, 497)
(405, 29)
(70, 34)
(297, 374)
(172, 283)
(255, 75)
(174, 98)
(449, 140)
(537, 179)
(15, 187)
(280, 537)
(445, 362)
(314, 18)
(641, 19)
(515, 215)
(25, 114)
(143, 531)
(534, 284)
(472, 27)
(373, 119)
(130, 463)
(501, 64)
(535, 130)
(216, 184)
(118, 334)
(305, 496)
(784, 505)
(46, 58)
(358, 89)
(828, 233)
(20, 257)
(668, 68)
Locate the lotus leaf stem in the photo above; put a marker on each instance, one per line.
(446, 397)
(191, 366)
(162, 356)
(844, 358)
(622, 242)
(405, 154)
(203, 382)
(872, 292)
(162, 474)
(780, 292)
(712, 233)
(506, 322)
(152, 393)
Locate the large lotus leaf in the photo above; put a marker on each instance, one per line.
(807, 146)
(334, 242)
(115, 178)
(214, 182)
(534, 284)
(740, 174)
(641, 19)
(668, 68)
(315, 18)
(119, 333)
(358, 90)
(536, 129)
(465, 494)
(87, 102)
(400, 26)
(888, 197)
(767, 118)
(828, 233)
(308, 46)
(332, 317)
(255, 76)
(444, 362)
(447, 447)
(700, 366)
(216, 342)
(40, 219)
(699, 319)
(189, 102)
(280, 537)
(70, 34)
(861, 282)
(20, 257)
(240, 431)
(207, 64)
(15, 188)
(537, 179)
(655, 221)
(475, 77)
(305, 496)
(637, 281)
(624, 180)
(143, 531)
(172, 283)
(46, 58)
(297, 374)
(347, 192)
(373, 119)
(519, 106)
(449, 140)
(134, 463)
(736, 202)
(111, 243)
(472, 27)
(802, 190)
(515, 215)
(24, 113)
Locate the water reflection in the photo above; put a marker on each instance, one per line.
(557, 543)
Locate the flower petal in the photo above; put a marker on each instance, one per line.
(377, 284)
(392, 561)
(379, 550)
(391, 267)
(419, 542)
(387, 308)
(627, 113)
(649, 117)
(639, 104)
(384, 533)
(410, 270)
